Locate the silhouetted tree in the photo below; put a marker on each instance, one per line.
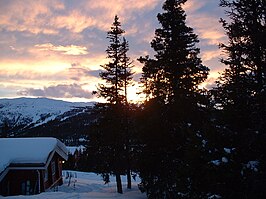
(113, 146)
(240, 96)
(128, 76)
(107, 143)
(176, 70)
(172, 151)
(244, 79)
(113, 71)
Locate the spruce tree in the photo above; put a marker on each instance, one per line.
(113, 71)
(127, 66)
(240, 95)
(172, 149)
(110, 141)
(176, 70)
(128, 77)
(244, 79)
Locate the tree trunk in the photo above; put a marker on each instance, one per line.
(128, 179)
(118, 183)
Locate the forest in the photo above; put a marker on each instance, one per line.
(185, 141)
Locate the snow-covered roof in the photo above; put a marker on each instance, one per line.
(29, 150)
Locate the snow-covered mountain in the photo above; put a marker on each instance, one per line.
(22, 113)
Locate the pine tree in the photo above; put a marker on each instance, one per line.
(172, 149)
(107, 142)
(112, 145)
(128, 76)
(240, 93)
(244, 80)
(176, 70)
(127, 66)
(113, 71)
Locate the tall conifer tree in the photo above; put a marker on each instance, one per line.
(128, 76)
(111, 136)
(241, 95)
(176, 70)
(113, 71)
(244, 79)
(172, 114)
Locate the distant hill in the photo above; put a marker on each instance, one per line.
(44, 117)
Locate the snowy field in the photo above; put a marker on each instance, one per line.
(87, 186)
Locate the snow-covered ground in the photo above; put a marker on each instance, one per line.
(87, 186)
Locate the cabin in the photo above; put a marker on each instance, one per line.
(30, 165)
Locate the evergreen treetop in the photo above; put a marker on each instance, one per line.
(176, 70)
(113, 71)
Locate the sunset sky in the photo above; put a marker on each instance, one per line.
(54, 48)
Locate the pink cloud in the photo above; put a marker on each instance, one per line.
(41, 38)
(75, 21)
(211, 54)
(193, 5)
(104, 11)
(39, 16)
(29, 15)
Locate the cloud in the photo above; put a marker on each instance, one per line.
(8, 75)
(63, 43)
(211, 54)
(207, 26)
(49, 72)
(124, 8)
(204, 17)
(58, 91)
(74, 21)
(50, 16)
(77, 72)
(28, 15)
(66, 50)
(210, 83)
(193, 5)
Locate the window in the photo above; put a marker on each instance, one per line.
(25, 188)
(28, 187)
